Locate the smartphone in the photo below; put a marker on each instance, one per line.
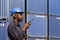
(30, 21)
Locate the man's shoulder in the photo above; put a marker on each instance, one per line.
(11, 25)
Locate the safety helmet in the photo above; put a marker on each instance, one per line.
(14, 10)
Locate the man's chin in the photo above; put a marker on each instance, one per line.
(21, 20)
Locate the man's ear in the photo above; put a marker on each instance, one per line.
(15, 16)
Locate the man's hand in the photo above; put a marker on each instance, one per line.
(26, 26)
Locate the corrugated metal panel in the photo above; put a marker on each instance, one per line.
(54, 29)
(37, 6)
(54, 7)
(38, 26)
(16, 3)
(6, 5)
(3, 30)
(4, 9)
(54, 26)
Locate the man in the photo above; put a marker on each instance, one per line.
(15, 32)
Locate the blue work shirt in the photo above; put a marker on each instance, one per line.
(15, 32)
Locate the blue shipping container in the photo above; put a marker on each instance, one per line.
(54, 26)
(38, 26)
(54, 7)
(3, 30)
(37, 6)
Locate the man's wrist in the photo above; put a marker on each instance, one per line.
(24, 29)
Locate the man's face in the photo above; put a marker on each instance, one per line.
(19, 16)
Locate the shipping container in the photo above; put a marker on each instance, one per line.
(39, 6)
(3, 30)
(38, 26)
(4, 8)
(54, 7)
(54, 27)
(37, 11)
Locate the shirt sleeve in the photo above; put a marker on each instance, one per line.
(17, 33)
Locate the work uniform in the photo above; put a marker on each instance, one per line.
(15, 32)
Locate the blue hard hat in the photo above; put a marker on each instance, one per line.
(14, 10)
